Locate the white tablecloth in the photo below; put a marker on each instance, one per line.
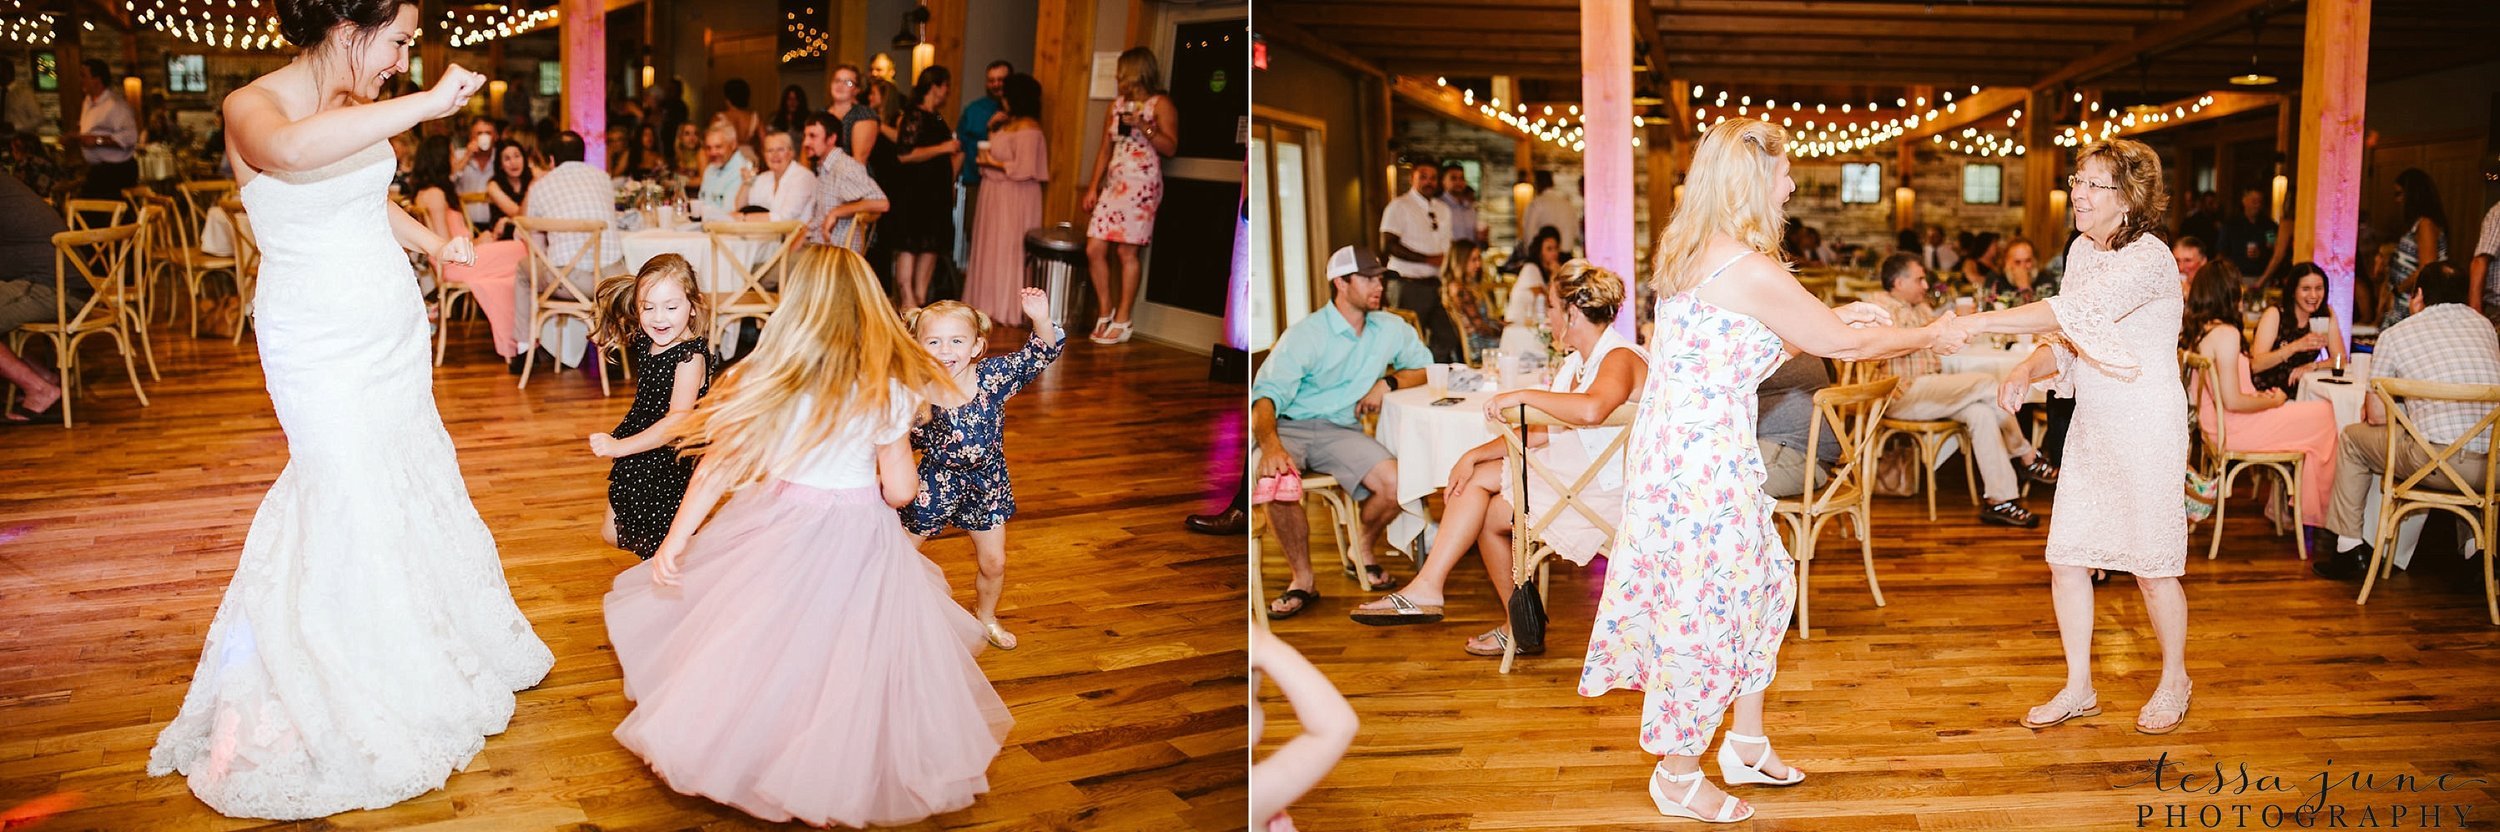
(696, 247)
(1427, 440)
(217, 233)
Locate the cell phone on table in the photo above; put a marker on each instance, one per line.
(1447, 401)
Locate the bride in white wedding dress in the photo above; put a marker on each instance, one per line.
(368, 643)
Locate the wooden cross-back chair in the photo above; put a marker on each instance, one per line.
(80, 213)
(247, 265)
(1926, 435)
(1855, 414)
(2225, 465)
(759, 287)
(551, 296)
(1531, 553)
(101, 258)
(2438, 485)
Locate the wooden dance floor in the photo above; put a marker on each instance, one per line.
(117, 539)
(1905, 716)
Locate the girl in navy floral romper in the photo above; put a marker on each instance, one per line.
(963, 460)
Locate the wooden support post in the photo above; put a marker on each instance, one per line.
(946, 36)
(434, 46)
(2044, 221)
(1606, 162)
(847, 22)
(2334, 87)
(1658, 144)
(1063, 56)
(70, 67)
(585, 57)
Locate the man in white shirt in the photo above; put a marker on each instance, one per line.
(1927, 392)
(1415, 234)
(1552, 208)
(785, 189)
(107, 134)
(473, 165)
(19, 112)
(1934, 253)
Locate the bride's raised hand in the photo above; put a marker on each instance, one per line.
(453, 91)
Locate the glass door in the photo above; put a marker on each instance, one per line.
(1283, 160)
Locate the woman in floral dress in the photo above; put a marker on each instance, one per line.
(1127, 187)
(1701, 588)
(2115, 334)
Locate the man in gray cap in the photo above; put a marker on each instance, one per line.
(1325, 372)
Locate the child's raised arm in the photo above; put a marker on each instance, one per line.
(681, 399)
(1009, 373)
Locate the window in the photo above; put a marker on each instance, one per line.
(186, 73)
(550, 77)
(1983, 184)
(1861, 183)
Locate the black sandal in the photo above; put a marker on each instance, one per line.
(1381, 581)
(1302, 599)
(2038, 472)
(2009, 513)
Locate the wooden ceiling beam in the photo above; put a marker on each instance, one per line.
(1446, 102)
(2204, 22)
(2225, 105)
(1994, 11)
(1933, 32)
(1645, 19)
(1970, 110)
(1285, 32)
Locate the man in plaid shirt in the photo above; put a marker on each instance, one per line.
(2442, 340)
(1928, 392)
(843, 188)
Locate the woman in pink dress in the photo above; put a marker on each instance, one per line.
(2259, 420)
(489, 279)
(1127, 187)
(2115, 327)
(1014, 164)
(1700, 591)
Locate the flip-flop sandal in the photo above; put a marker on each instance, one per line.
(1400, 611)
(1302, 599)
(1500, 640)
(1380, 577)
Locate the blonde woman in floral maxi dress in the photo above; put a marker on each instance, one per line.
(1701, 589)
(2116, 332)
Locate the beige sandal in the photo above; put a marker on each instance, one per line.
(999, 637)
(2172, 702)
(2067, 706)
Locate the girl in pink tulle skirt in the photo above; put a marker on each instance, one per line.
(795, 657)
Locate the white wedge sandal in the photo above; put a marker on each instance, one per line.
(1734, 771)
(1677, 808)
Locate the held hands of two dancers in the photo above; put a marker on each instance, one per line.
(1945, 336)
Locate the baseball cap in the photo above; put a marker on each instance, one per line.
(1355, 260)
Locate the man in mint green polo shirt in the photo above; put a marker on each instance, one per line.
(1325, 372)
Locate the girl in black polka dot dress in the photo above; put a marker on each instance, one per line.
(654, 319)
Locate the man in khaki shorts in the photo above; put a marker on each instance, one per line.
(1325, 372)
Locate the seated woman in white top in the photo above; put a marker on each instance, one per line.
(785, 190)
(1525, 315)
(1603, 371)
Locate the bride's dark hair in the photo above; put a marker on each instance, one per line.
(307, 23)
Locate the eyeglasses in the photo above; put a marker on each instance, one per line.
(845, 82)
(2078, 183)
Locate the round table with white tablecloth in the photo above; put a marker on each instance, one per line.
(1427, 440)
(691, 243)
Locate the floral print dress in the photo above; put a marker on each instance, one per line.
(1133, 188)
(1701, 588)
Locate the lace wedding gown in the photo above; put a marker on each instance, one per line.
(367, 644)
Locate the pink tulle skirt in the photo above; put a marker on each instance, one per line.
(811, 665)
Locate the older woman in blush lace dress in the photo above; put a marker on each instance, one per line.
(2115, 332)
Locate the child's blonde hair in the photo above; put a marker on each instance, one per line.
(834, 340)
(619, 301)
(979, 320)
